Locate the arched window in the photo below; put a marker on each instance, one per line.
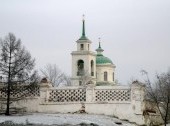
(80, 67)
(92, 68)
(105, 76)
(113, 76)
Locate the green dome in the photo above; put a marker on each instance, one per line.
(100, 59)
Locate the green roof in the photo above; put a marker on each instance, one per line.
(83, 38)
(100, 59)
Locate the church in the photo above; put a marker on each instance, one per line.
(89, 67)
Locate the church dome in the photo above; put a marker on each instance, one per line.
(100, 59)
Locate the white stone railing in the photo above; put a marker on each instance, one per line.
(67, 95)
(112, 95)
(21, 91)
(100, 94)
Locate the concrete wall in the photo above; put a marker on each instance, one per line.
(124, 109)
(126, 103)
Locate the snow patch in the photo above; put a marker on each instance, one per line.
(60, 119)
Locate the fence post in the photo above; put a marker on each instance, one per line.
(137, 97)
(44, 91)
(90, 93)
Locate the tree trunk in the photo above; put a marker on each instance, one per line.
(167, 110)
(8, 100)
(9, 85)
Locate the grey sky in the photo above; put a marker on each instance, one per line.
(135, 34)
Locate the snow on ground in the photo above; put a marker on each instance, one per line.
(60, 119)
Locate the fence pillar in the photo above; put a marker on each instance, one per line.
(137, 97)
(44, 88)
(90, 93)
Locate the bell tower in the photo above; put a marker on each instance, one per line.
(83, 61)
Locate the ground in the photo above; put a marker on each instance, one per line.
(39, 119)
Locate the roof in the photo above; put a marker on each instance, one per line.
(100, 59)
(83, 38)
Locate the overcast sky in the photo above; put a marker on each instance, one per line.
(135, 34)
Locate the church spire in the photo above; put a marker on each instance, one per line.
(99, 49)
(83, 36)
(83, 30)
(99, 43)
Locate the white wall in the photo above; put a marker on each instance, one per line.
(130, 109)
(109, 68)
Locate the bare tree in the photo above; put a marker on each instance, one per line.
(16, 65)
(159, 93)
(67, 80)
(55, 76)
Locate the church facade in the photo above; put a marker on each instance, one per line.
(89, 67)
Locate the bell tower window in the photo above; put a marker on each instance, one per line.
(80, 67)
(81, 46)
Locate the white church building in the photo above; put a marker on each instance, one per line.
(89, 67)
